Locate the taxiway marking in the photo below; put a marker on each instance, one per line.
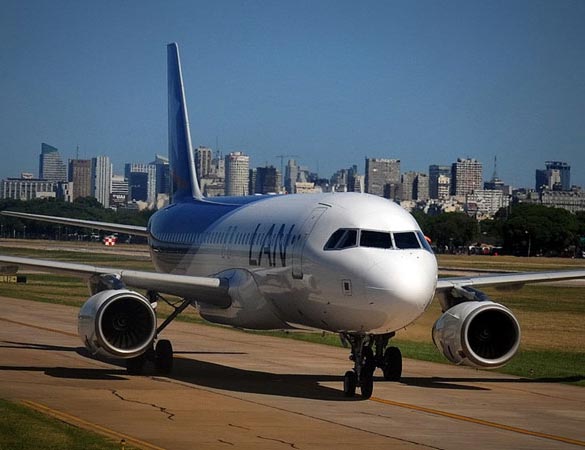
(486, 423)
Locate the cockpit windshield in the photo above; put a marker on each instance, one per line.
(400, 240)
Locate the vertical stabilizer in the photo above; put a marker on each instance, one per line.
(184, 184)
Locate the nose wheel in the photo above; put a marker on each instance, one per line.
(369, 352)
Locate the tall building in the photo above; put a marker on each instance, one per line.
(163, 176)
(203, 157)
(408, 181)
(421, 186)
(101, 179)
(291, 175)
(435, 171)
(237, 166)
(466, 176)
(381, 172)
(267, 180)
(80, 176)
(119, 194)
(556, 176)
(141, 182)
(51, 166)
(443, 187)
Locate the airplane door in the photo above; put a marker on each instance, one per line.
(299, 247)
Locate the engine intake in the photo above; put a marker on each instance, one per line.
(118, 323)
(478, 334)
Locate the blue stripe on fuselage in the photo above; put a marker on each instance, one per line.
(196, 216)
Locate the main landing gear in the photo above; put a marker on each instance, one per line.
(161, 354)
(369, 352)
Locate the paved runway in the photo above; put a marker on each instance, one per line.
(237, 390)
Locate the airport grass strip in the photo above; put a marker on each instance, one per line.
(23, 428)
(78, 422)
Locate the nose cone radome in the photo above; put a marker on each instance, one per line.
(401, 285)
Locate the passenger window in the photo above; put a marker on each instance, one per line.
(376, 239)
(406, 240)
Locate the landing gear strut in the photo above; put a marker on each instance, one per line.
(160, 354)
(369, 352)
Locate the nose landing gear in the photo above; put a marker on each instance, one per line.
(369, 352)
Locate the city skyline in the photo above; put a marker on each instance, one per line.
(332, 82)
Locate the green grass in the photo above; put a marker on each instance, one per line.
(22, 428)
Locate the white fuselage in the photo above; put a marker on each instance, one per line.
(282, 274)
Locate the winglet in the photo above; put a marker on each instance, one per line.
(184, 183)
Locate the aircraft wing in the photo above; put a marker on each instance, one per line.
(508, 280)
(115, 227)
(210, 290)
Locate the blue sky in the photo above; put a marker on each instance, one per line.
(330, 81)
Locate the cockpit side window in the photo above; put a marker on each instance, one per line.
(406, 240)
(376, 239)
(342, 238)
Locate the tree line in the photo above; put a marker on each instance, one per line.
(522, 229)
(86, 208)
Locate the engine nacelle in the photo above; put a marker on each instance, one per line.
(118, 323)
(478, 334)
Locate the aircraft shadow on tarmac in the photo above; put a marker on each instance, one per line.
(218, 376)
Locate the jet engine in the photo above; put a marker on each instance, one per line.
(118, 323)
(480, 334)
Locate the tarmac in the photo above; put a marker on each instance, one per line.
(231, 389)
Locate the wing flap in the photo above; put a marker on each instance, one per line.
(107, 226)
(210, 290)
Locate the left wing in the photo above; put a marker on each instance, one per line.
(209, 290)
(508, 280)
(116, 227)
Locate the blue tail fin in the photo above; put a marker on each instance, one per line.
(184, 184)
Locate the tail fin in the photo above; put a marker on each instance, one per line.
(184, 184)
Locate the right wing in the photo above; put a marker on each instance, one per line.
(115, 227)
(209, 290)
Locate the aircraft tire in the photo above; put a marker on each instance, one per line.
(392, 364)
(135, 366)
(367, 382)
(163, 360)
(349, 383)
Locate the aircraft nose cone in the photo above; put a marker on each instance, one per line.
(401, 284)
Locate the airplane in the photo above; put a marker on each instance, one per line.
(348, 263)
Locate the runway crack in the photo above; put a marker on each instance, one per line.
(162, 409)
(292, 445)
(239, 426)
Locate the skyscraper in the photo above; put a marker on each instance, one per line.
(141, 182)
(101, 179)
(408, 181)
(163, 176)
(80, 176)
(51, 166)
(237, 166)
(466, 176)
(267, 180)
(291, 175)
(435, 171)
(203, 157)
(381, 172)
(556, 176)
